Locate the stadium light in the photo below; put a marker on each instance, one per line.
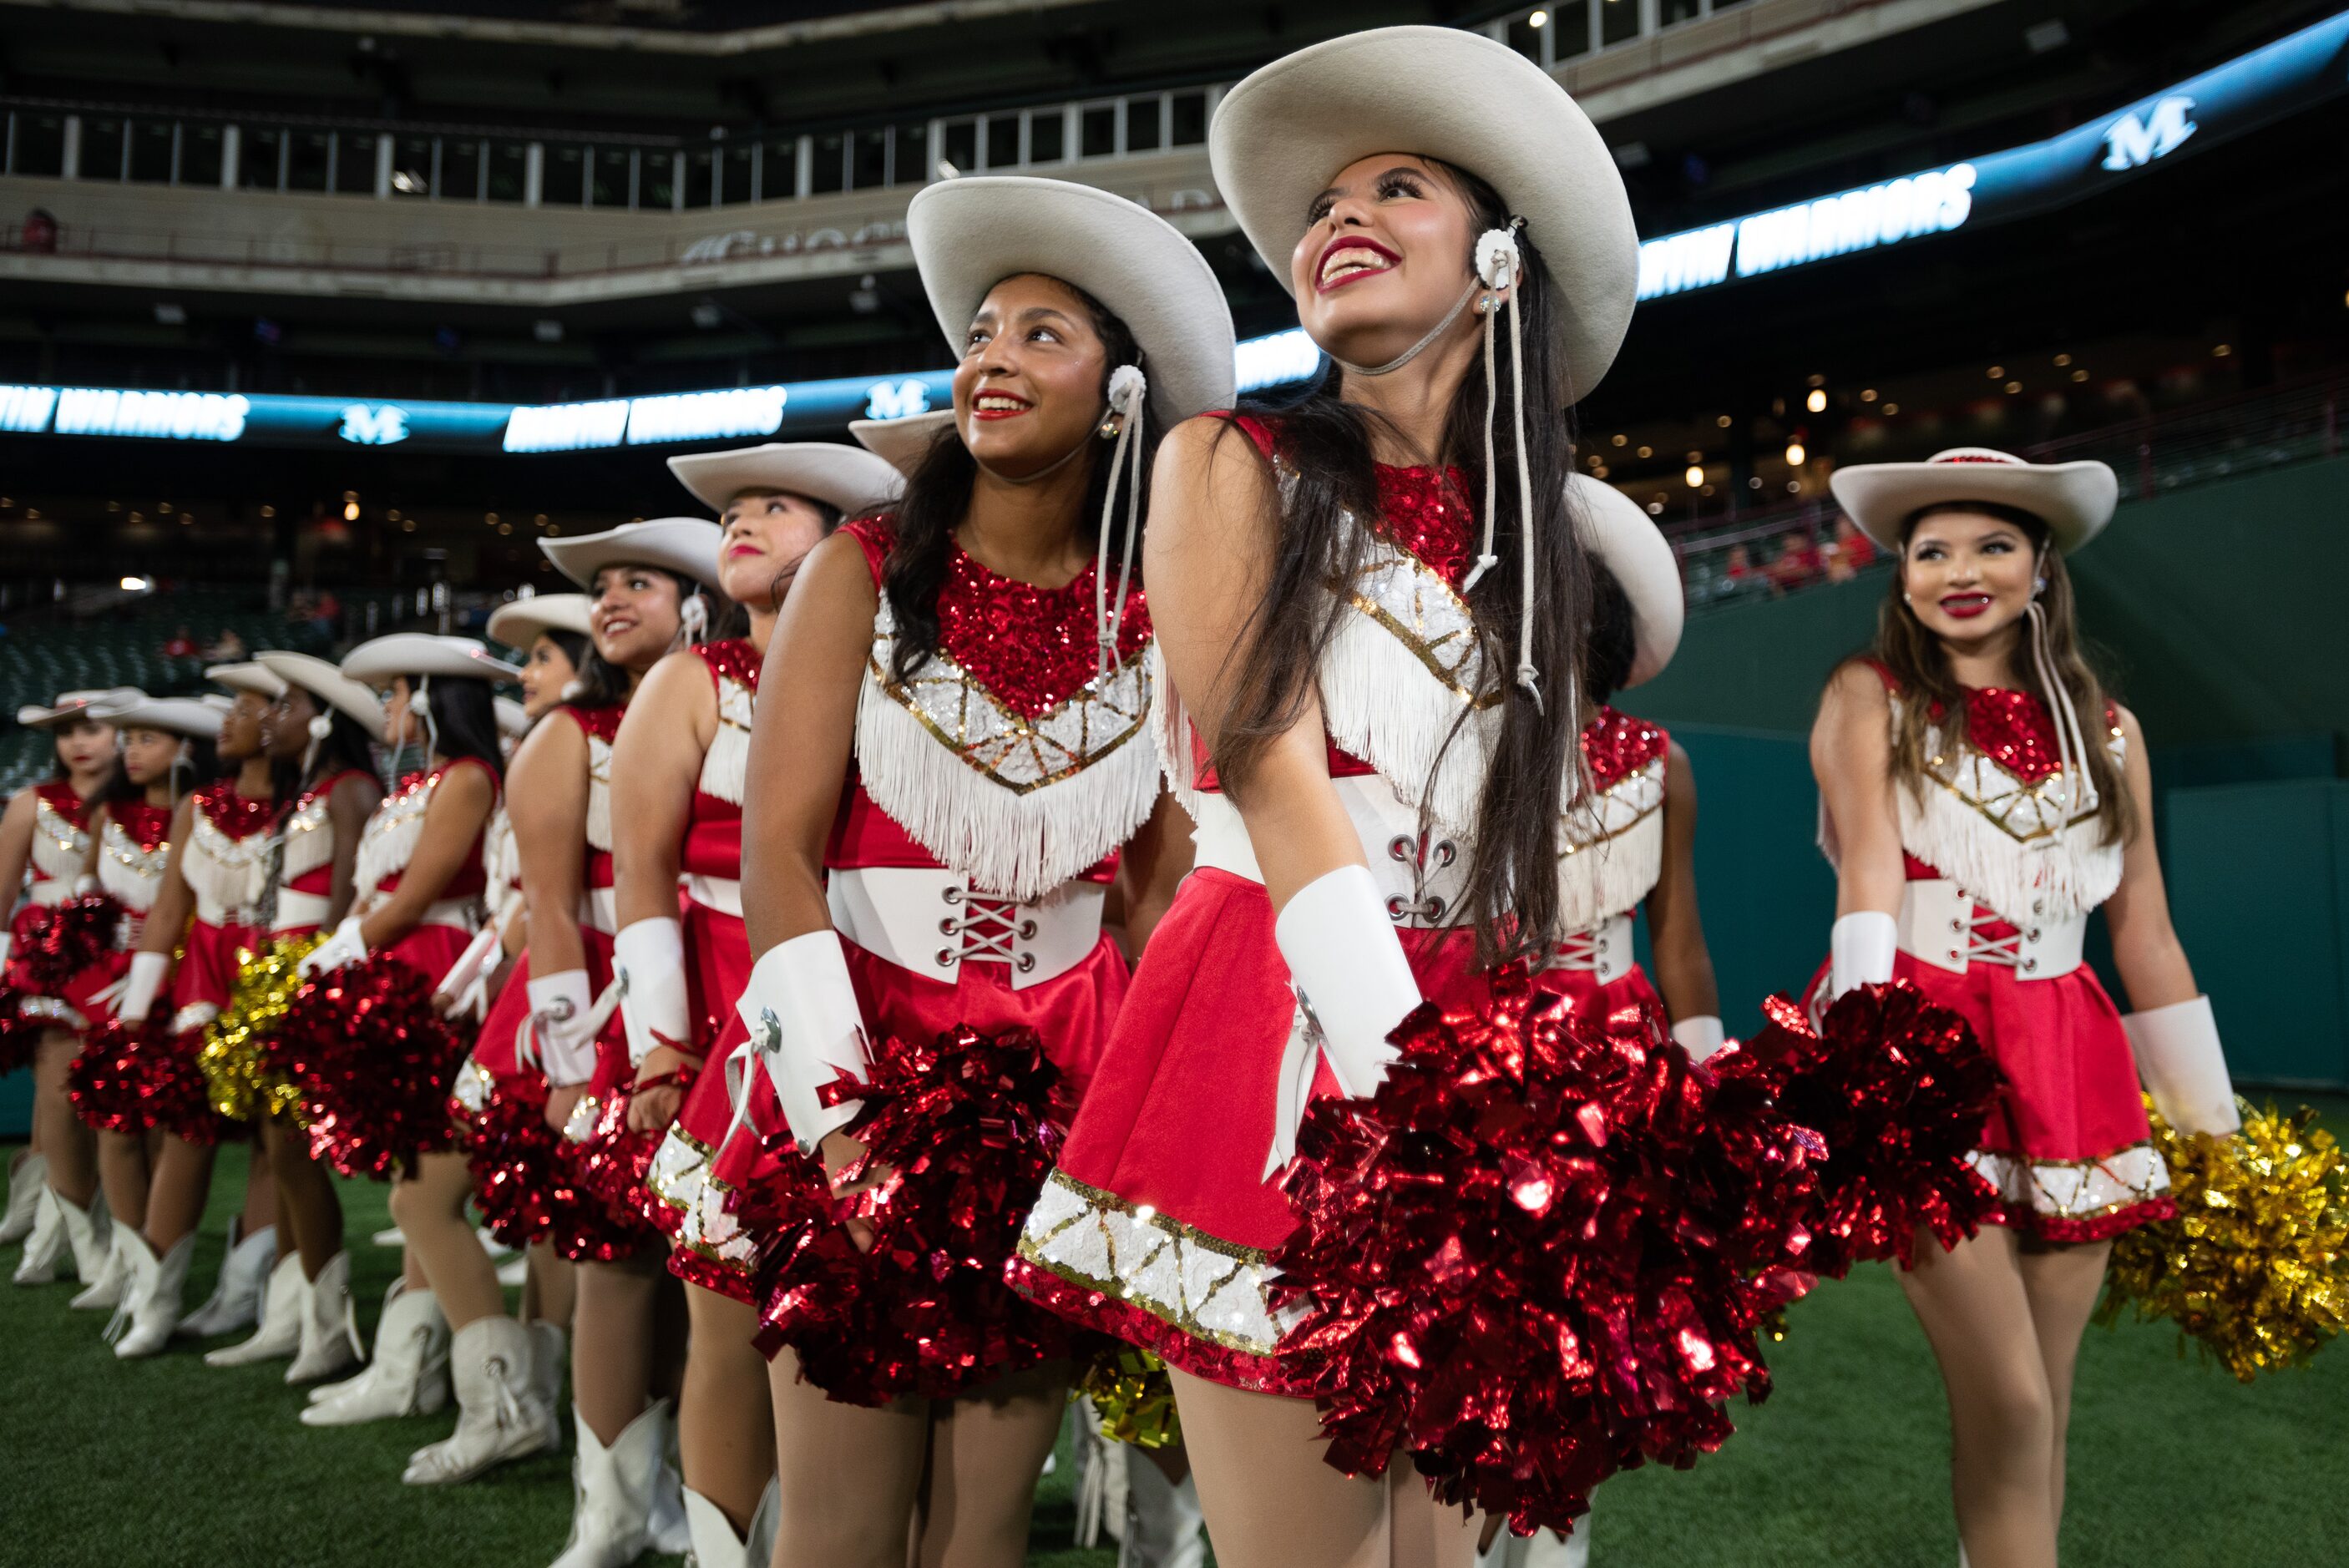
(137, 584)
(1794, 454)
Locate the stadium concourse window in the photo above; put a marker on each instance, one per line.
(1143, 127)
(201, 148)
(412, 161)
(958, 144)
(151, 151)
(1046, 136)
(657, 179)
(1002, 141)
(1097, 130)
(462, 168)
(700, 178)
(1619, 22)
(827, 164)
(509, 173)
(105, 143)
(1671, 11)
(737, 173)
(909, 163)
(611, 178)
(309, 159)
(261, 158)
(355, 157)
(564, 177)
(1187, 119)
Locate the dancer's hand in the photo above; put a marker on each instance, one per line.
(561, 1100)
(840, 1152)
(652, 1109)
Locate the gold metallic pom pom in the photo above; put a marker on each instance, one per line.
(1133, 1396)
(2255, 1268)
(236, 1059)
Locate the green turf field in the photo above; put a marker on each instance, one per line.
(168, 1463)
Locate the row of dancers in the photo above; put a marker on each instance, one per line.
(1186, 746)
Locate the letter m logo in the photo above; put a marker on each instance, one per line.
(2132, 143)
(896, 399)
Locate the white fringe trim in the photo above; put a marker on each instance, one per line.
(1602, 877)
(1018, 843)
(1170, 735)
(2065, 872)
(726, 767)
(1381, 703)
(599, 794)
(225, 874)
(58, 847)
(309, 840)
(388, 841)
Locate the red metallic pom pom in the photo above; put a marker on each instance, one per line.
(19, 1035)
(61, 942)
(526, 1180)
(1539, 1255)
(1899, 1089)
(104, 1080)
(373, 1062)
(961, 1132)
(614, 1161)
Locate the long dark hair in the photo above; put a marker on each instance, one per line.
(1614, 645)
(58, 771)
(938, 492)
(464, 720)
(1919, 666)
(600, 682)
(1511, 895)
(347, 746)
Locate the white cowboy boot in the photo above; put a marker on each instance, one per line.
(46, 1247)
(279, 1331)
(499, 1414)
(235, 1301)
(409, 1375)
(89, 1236)
(612, 1491)
(25, 1184)
(330, 1325)
(550, 1358)
(715, 1545)
(668, 1529)
(1164, 1526)
(1542, 1549)
(105, 1288)
(150, 1300)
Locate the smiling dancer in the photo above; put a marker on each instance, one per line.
(212, 890)
(1981, 795)
(679, 770)
(44, 845)
(959, 754)
(1378, 774)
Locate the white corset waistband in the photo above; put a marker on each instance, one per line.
(928, 920)
(1940, 925)
(1421, 877)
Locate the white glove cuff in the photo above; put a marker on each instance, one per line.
(140, 990)
(1348, 967)
(1700, 1037)
(1860, 948)
(649, 956)
(559, 1008)
(801, 1008)
(2184, 1068)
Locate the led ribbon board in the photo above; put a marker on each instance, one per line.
(2246, 93)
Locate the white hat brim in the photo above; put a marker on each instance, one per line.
(379, 659)
(514, 720)
(248, 676)
(518, 624)
(329, 685)
(969, 234)
(2074, 499)
(76, 705)
(903, 444)
(1437, 92)
(184, 716)
(1620, 532)
(685, 545)
(847, 479)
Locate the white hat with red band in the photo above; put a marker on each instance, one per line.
(2073, 499)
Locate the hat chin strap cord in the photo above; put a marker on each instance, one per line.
(1128, 396)
(2071, 743)
(1498, 262)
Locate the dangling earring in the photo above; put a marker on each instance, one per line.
(2038, 586)
(1108, 428)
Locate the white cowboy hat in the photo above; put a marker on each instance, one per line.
(218, 703)
(514, 720)
(178, 716)
(2073, 499)
(969, 234)
(74, 704)
(379, 659)
(256, 678)
(903, 444)
(1620, 532)
(1478, 105)
(843, 477)
(685, 545)
(518, 625)
(329, 685)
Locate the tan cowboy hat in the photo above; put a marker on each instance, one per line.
(379, 659)
(1620, 532)
(848, 481)
(969, 234)
(2073, 499)
(685, 545)
(514, 720)
(1478, 105)
(256, 678)
(903, 444)
(329, 685)
(184, 716)
(518, 625)
(75, 704)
